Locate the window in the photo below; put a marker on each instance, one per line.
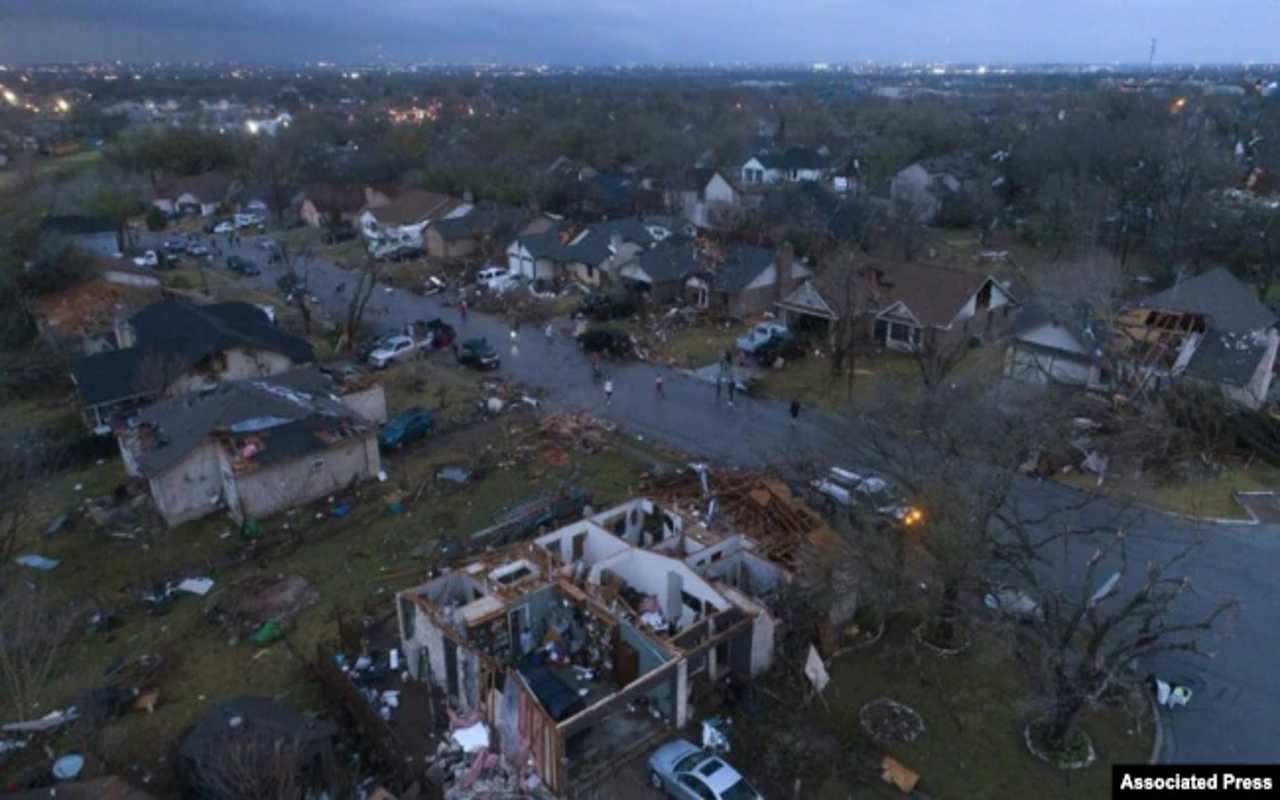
(697, 787)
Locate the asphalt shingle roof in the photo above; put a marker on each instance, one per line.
(177, 336)
(1226, 357)
(291, 414)
(1230, 304)
(742, 264)
(933, 294)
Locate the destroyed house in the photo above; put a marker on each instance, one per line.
(172, 347)
(1209, 330)
(583, 645)
(254, 448)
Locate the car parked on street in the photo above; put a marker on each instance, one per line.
(243, 266)
(682, 770)
(148, 259)
(477, 354)
(408, 426)
(780, 345)
(608, 342)
(760, 335)
(845, 487)
(175, 245)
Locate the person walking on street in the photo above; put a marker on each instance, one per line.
(732, 387)
(595, 366)
(462, 310)
(657, 385)
(795, 411)
(549, 332)
(608, 393)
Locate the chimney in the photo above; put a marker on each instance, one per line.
(784, 260)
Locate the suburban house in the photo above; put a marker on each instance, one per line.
(923, 188)
(254, 447)
(97, 235)
(326, 204)
(583, 253)
(171, 348)
(661, 271)
(402, 221)
(740, 280)
(913, 301)
(793, 165)
(558, 641)
(459, 237)
(200, 195)
(706, 199)
(1210, 330)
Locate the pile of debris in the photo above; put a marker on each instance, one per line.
(652, 344)
(578, 431)
(758, 505)
(262, 605)
(469, 763)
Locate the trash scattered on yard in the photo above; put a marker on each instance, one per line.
(200, 586)
(261, 605)
(37, 562)
(68, 767)
(578, 431)
(714, 739)
(893, 771)
(472, 738)
(1171, 696)
(49, 721)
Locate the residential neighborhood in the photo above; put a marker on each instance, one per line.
(517, 423)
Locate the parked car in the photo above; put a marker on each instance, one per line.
(477, 354)
(759, 335)
(682, 770)
(148, 259)
(408, 426)
(267, 245)
(603, 307)
(375, 344)
(853, 489)
(175, 245)
(224, 227)
(779, 345)
(243, 265)
(248, 221)
(197, 250)
(488, 274)
(396, 348)
(609, 342)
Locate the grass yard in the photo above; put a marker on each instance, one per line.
(1204, 498)
(973, 706)
(691, 347)
(356, 564)
(810, 380)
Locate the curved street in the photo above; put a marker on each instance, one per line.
(1234, 715)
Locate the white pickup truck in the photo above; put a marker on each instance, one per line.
(851, 489)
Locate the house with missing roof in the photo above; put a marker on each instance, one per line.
(584, 644)
(253, 448)
(173, 348)
(1210, 330)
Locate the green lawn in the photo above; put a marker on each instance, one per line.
(973, 706)
(1203, 498)
(348, 561)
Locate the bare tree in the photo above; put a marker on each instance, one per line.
(365, 284)
(34, 626)
(1082, 640)
(293, 259)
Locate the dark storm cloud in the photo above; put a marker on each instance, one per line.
(614, 31)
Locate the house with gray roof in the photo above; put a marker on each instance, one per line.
(173, 347)
(584, 253)
(252, 448)
(740, 281)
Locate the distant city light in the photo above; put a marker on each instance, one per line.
(10, 97)
(62, 105)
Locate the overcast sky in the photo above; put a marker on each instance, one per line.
(646, 31)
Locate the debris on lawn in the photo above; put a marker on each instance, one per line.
(894, 772)
(890, 722)
(199, 586)
(250, 605)
(49, 721)
(578, 431)
(38, 562)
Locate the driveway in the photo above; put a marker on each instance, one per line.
(1235, 713)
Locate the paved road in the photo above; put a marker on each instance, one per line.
(1235, 713)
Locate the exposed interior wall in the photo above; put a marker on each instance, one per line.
(274, 488)
(191, 488)
(651, 657)
(647, 573)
